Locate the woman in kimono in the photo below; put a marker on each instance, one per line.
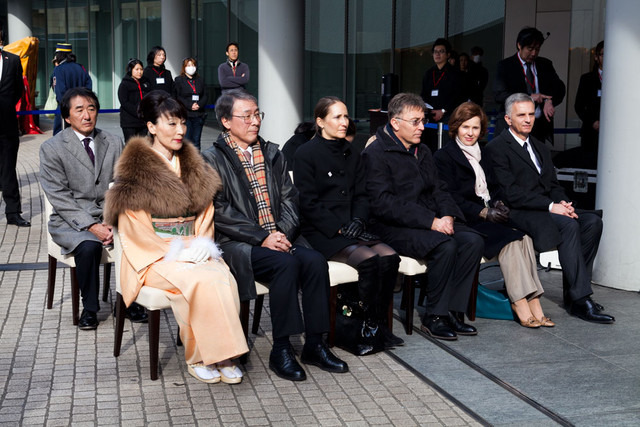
(161, 203)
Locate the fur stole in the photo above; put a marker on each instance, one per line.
(143, 181)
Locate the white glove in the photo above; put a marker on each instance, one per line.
(195, 255)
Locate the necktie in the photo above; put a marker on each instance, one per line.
(531, 83)
(533, 156)
(87, 141)
(247, 155)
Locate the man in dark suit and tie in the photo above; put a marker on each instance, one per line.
(11, 89)
(539, 206)
(526, 72)
(587, 106)
(76, 167)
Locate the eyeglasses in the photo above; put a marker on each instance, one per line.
(439, 52)
(248, 119)
(414, 122)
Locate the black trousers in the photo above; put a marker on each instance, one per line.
(8, 176)
(451, 268)
(87, 256)
(286, 273)
(578, 249)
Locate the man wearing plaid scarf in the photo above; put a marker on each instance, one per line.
(257, 225)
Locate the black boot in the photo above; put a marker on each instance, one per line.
(388, 275)
(369, 293)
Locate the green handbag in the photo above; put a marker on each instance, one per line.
(492, 304)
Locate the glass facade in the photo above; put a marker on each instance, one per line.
(349, 44)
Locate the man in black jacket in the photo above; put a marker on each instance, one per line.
(526, 72)
(11, 88)
(257, 225)
(587, 106)
(540, 207)
(414, 214)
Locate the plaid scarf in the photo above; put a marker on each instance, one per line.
(257, 182)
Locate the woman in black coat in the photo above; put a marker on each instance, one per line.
(159, 77)
(469, 178)
(333, 205)
(188, 88)
(132, 89)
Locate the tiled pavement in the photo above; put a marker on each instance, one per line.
(53, 374)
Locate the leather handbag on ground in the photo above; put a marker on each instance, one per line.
(492, 304)
(354, 332)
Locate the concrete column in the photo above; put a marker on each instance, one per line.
(618, 192)
(176, 33)
(281, 59)
(18, 20)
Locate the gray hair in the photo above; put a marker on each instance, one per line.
(516, 97)
(404, 101)
(224, 104)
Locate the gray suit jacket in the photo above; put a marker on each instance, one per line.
(75, 188)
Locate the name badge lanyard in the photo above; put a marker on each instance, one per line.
(436, 83)
(193, 87)
(139, 88)
(158, 73)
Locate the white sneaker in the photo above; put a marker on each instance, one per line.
(206, 374)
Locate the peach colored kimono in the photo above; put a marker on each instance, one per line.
(204, 297)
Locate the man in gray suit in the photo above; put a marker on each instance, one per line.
(76, 167)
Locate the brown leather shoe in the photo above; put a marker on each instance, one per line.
(531, 322)
(546, 322)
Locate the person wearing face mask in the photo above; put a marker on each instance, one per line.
(132, 89)
(233, 74)
(465, 168)
(159, 77)
(329, 175)
(189, 89)
(526, 72)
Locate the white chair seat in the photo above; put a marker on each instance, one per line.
(152, 298)
(411, 266)
(340, 273)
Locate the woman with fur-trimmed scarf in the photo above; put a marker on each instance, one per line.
(161, 203)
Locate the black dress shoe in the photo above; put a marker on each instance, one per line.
(135, 312)
(88, 321)
(459, 326)
(390, 340)
(438, 327)
(284, 364)
(598, 307)
(320, 356)
(16, 219)
(587, 311)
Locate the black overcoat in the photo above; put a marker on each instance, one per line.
(456, 171)
(330, 178)
(405, 195)
(129, 97)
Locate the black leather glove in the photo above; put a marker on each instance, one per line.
(497, 215)
(353, 229)
(368, 237)
(501, 207)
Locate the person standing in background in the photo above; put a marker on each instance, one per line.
(11, 89)
(587, 106)
(66, 75)
(189, 90)
(233, 74)
(159, 77)
(130, 92)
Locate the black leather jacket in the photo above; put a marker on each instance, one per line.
(236, 212)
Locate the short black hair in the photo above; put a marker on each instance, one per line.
(441, 42)
(65, 103)
(152, 54)
(529, 36)
(232, 44)
(159, 103)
